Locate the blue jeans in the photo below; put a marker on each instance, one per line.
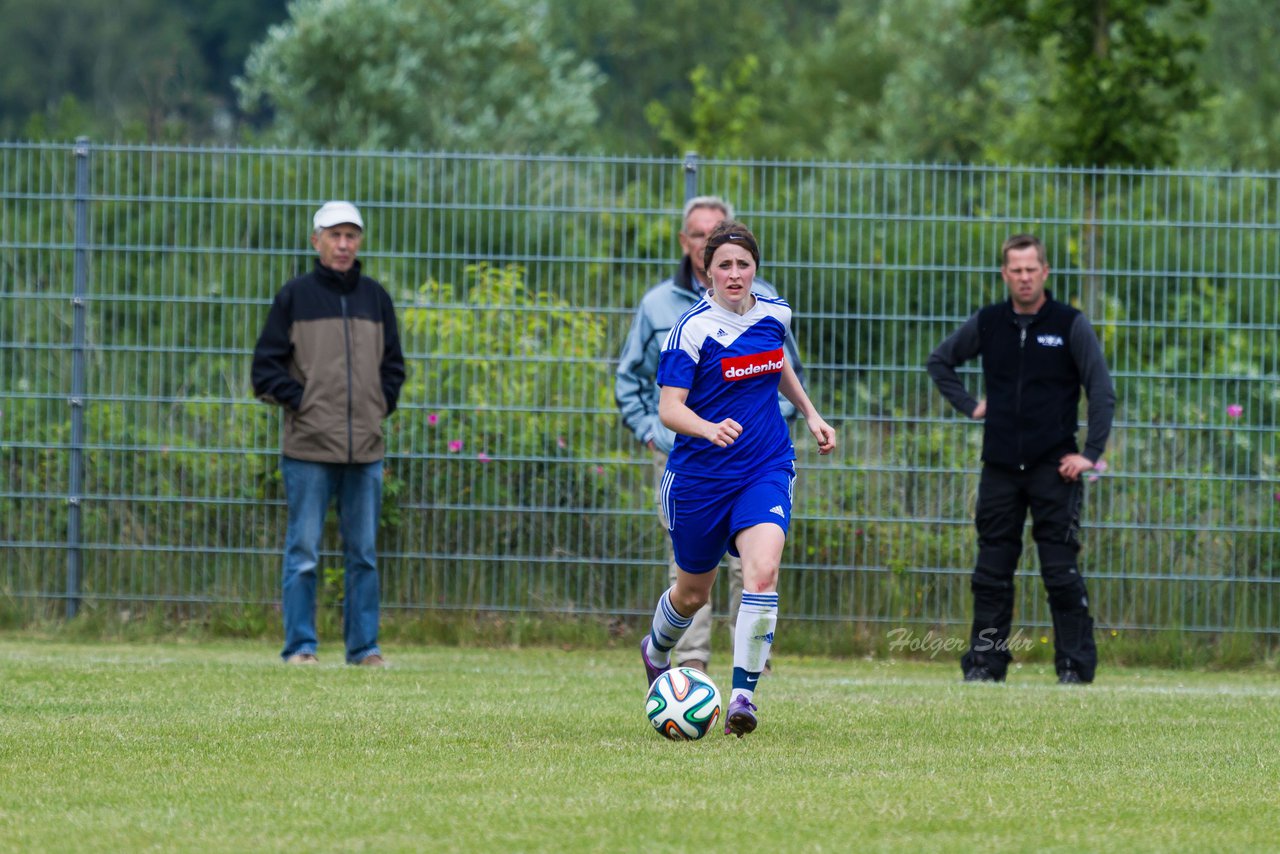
(309, 488)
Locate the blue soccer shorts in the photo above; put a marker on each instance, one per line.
(704, 515)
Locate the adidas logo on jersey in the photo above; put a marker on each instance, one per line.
(720, 333)
(737, 368)
(777, 508)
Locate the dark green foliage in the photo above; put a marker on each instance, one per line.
(1239, 127)
(138, 69)
(844, 80)
(649, 50)
(1125, 72)
(223, 32)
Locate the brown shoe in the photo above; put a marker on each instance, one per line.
(302, 658)
(373, 660)
(695, 663)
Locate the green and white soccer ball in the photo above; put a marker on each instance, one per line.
(683, 704)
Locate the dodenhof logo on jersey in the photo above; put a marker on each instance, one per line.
(735, 368)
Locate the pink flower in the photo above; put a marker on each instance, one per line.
(561, 443)
(1235, 410)
(433, 419)
(455, 445)
(1092, 478)
(483, 457)
(599, 469)
(1100, 465)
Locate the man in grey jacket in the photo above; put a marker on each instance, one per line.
(636, 390)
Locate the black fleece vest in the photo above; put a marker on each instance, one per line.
(1032, 385)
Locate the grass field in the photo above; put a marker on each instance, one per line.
(219, 747)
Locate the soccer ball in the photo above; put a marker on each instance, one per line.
(683, 704)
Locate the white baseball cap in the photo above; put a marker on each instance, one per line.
(337, 213)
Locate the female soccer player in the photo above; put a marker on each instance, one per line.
(728, 480)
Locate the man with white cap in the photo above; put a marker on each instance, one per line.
(329, 355)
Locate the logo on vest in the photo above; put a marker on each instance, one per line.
(1049, 340)
(736, 368)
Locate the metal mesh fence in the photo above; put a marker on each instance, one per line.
(135, 465)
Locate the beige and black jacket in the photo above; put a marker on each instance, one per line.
(329, 354)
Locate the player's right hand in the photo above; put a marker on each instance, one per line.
(722, 435)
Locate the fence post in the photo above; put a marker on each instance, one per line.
(690, 176)
(76, 401)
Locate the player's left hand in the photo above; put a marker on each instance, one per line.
(824, 433)
(1072, 466)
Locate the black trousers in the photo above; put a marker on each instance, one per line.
(1004, 497)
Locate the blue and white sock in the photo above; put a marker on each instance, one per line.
(752, 640)
(668, 628)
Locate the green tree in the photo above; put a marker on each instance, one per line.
(1124, 76)
(1239, 127)
(432, 74)
(132, 64)
(1125, 72)
(719, 119)
(649, 51)
(136, 70)
(224, 30)
(897, 81)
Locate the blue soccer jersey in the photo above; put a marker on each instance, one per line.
(731, 365)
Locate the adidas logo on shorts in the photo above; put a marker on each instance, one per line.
(777, 508)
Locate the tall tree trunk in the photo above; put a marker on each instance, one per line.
(1090, 287)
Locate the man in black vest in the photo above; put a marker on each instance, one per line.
(1036, 354)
